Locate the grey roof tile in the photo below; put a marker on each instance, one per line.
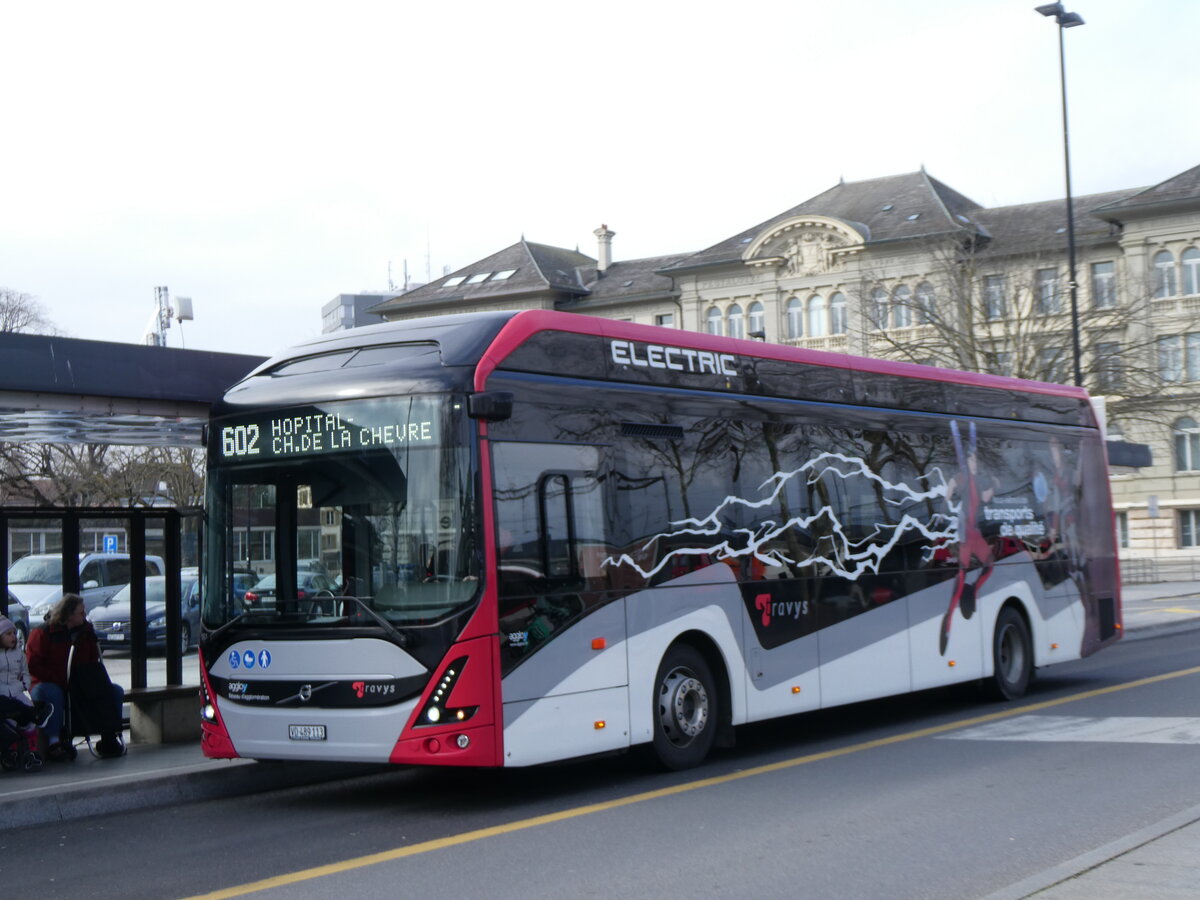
(1042, 226)
(1179, 188)
(538, 267)
(889, 208)
(630, 277)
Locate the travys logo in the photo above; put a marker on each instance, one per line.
(782, 609)
(362, 688)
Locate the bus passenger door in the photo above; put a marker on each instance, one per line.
(562, 643)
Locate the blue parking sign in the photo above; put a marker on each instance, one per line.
(110, 543)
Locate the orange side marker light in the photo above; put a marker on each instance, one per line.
(599, 643)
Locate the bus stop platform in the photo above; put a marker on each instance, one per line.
(1162, 860)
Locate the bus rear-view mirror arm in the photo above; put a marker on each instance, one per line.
(490, 406)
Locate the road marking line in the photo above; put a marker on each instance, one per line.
(1109, 730)
(468, 837)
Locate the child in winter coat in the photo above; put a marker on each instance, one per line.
(18, 716)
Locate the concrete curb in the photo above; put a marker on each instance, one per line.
(1073, 868)
(1159, 629)
(182, 784)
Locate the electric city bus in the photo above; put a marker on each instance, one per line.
(502, 539)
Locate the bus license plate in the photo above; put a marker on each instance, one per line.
(306, 732)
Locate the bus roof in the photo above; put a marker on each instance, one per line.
(504, 340)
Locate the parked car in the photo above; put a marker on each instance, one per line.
(18, 613)
(112, 621)
(309, 586)
(242, 580)
(37, 579)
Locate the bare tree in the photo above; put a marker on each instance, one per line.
(1009, 314)
(81, 475)
(23, 313)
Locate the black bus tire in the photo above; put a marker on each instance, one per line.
(1012, 657)
(685, 708)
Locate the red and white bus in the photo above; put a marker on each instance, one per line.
(542, 536)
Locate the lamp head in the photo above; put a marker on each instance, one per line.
(1061, 16)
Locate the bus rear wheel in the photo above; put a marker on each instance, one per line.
(685, 708)
(1012, 655)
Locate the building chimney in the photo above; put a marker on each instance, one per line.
(604, 255)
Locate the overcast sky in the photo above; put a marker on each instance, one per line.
(263, 157)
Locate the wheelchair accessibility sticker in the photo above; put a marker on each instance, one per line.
(235, 659)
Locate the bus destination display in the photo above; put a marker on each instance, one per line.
(310, 433)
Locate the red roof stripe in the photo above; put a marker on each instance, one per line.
(527, 323)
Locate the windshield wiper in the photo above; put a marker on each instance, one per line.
(393, 632)
(226, 626)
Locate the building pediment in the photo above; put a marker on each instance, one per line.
(805, 245)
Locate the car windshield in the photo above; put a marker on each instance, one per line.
(369, 499)
(156, 591)
(36, 570)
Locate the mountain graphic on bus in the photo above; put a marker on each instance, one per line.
(835, 551)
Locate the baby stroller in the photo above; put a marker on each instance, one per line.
(21, 731)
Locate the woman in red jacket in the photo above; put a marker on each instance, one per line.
(49, 652)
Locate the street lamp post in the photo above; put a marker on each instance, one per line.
(1068, 20)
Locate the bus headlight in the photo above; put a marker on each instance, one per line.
(436, 706)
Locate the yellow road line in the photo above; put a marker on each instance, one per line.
(480, 834)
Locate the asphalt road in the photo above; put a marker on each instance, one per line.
(934, 795)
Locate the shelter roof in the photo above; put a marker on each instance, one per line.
(66, 390)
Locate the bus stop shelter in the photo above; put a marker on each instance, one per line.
(66, 390)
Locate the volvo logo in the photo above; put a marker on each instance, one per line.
(305, 692)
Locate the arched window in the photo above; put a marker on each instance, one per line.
(816, 316)
(737, 323)
(1164, 274)
(926, 303)
(838, 322)
(902, 313)
(795, 318)
(879, 308)
(758, 322)
(713, 321)
(1191, 271)
(1187, 445)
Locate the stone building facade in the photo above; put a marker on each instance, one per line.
(906, 267)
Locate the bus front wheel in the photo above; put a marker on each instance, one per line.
(685, 708)
(1012, 655)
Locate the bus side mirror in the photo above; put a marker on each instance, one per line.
(490, 406)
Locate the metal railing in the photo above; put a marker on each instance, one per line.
(1151, 571)
(172, 552)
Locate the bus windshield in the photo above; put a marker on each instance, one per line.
(357, 512)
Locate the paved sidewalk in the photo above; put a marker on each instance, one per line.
(1162, 861)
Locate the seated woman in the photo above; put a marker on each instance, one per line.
(49, 652)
